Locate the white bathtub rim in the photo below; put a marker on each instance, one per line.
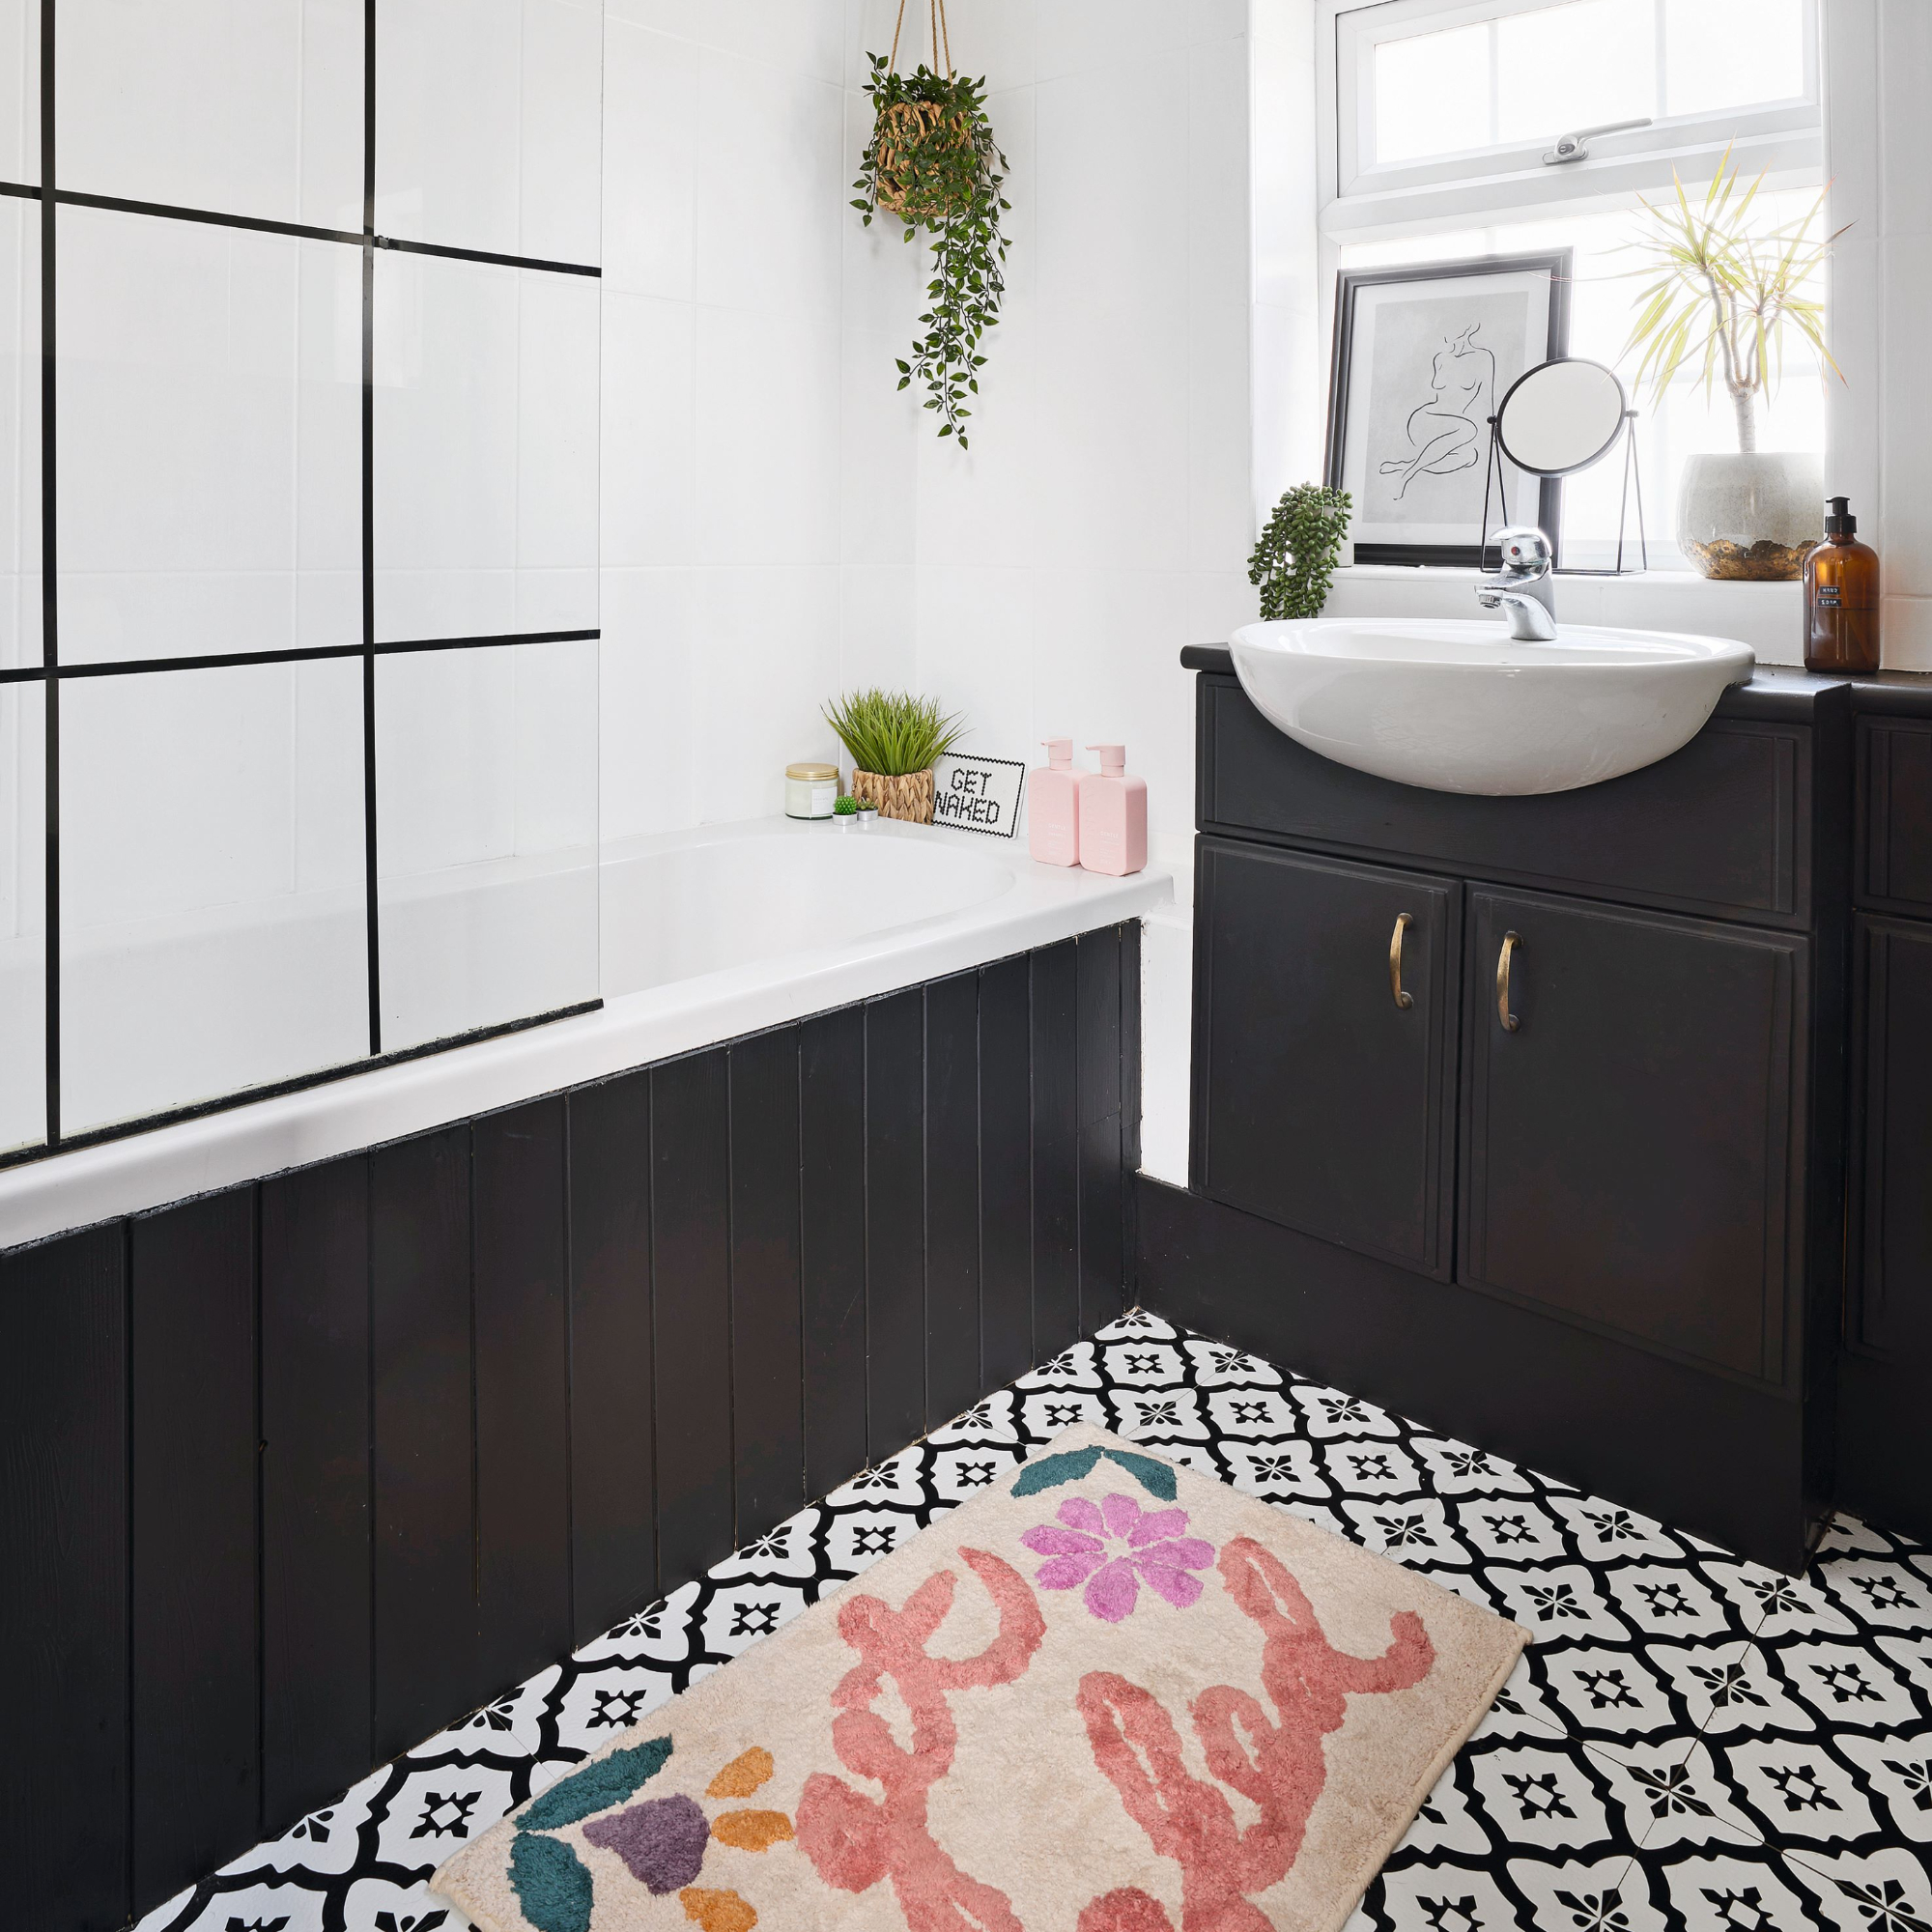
(249, 1142)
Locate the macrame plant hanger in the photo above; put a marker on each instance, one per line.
(908, 127)
(941, 39)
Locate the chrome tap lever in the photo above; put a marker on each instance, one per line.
(1522, 589)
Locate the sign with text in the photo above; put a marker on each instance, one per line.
(977, 794)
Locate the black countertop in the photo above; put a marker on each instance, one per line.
(1774, 691)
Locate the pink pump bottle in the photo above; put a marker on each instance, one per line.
(1053, 806)
(1113, 816)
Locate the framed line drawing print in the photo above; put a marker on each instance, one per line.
(1422, 357)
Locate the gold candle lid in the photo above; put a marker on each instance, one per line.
(811, 771)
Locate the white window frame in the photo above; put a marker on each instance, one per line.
(1360, 197)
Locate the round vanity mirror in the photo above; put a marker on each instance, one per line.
(1560, 416)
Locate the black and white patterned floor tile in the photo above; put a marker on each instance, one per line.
(1694, 1743)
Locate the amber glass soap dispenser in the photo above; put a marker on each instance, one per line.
(1841, 598)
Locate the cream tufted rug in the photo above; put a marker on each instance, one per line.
(1112, 1695)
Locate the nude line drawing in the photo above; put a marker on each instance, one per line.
(1444, 434)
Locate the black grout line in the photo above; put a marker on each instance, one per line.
(298, 1084)
(49, 585)
(371, 893)
(292, 654)
(454, 254)
(301, 231)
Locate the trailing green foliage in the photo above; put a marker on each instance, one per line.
(1293, 563)
(892, 732)
(933, 162)
(1723, 289)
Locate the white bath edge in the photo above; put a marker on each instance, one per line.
(251, 1142)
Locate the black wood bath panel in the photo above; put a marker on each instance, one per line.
(294, 1475)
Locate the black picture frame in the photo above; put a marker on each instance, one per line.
(1556, 263)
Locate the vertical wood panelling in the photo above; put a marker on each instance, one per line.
(768, 1450)
(1056, 1150)
(1006, 1171)
(691, 1270)
(315, 1485)
(293, 1476)
(64, 1581)
(832, 1135)
(522, 1392)
(611, 1471)
(425, 1606)
(894, 1222)
(952, 1196)
(193, 1455)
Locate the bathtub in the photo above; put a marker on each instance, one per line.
(703, 936)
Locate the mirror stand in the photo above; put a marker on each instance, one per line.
(1493, 479)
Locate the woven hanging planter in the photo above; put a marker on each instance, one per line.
(926, 164)
(909, 798)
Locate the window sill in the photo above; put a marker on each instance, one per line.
(1768, 617)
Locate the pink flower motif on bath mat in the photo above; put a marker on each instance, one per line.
(1158, 1554)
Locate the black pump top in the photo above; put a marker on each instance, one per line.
(1840, 523)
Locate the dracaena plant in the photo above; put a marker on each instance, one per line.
(933, 162)
(890, 732)
(1724, 288)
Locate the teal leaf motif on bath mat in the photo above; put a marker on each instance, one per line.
(551, 1885)
(596, 1787)
(1050, 1472)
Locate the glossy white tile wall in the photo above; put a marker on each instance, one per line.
(235, 105)
(1878, 53)
(23, 914)
(779, 519)
(20, 433)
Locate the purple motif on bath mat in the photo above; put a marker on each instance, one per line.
(662, 1841)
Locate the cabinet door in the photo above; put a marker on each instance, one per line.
(1629, 1142)
(1320, 1101)
(1885, 1434)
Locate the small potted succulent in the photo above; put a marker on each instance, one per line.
(1725, 287)
(893, 740)
(855, 815)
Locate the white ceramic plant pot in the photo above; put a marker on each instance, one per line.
(1751, 516)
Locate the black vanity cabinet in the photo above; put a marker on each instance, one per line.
(1885, 1455)
(1526, 1116)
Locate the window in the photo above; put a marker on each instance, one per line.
(1468, 96)
(1442, 115)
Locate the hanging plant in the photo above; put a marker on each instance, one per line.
(1293, 563)
(933, 162)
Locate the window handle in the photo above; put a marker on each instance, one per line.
(1576, 146)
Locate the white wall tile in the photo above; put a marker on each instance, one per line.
(20, 433)
(1081, 36)
(976, 654)
(210, 453)
(1905, 385)
(223, 104)
(648, 432)
(487, 119)
(878, 627)
(805, 37)
(652, 153)
(1905, 630)
(648, 760)
(22, 915)
(191, 965)
(767, 472)
(557, 386)
(20, 91)
(770, 192)
(767, 659)
(878, 427)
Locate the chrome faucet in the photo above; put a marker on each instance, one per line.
(1523, 588)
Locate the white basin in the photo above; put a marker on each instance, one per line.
(1457, 705)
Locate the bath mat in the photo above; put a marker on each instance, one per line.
(1111, 1694)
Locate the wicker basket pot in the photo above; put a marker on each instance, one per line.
(915, 139)
(909, 797)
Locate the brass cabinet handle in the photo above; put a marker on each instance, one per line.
(1510, 941)
(1403, 921)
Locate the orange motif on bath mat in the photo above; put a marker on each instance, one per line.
(743, 1776)
(716, 1910)
(1279, 1768)
(854, 1840)
(751, 1831)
